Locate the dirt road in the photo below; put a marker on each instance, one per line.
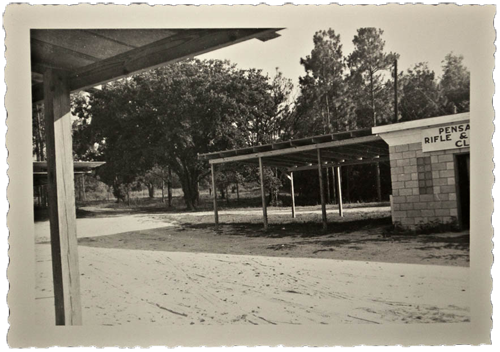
(135, 287)
(139, 286)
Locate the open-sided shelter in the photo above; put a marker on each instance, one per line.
(68, 60)
(318, 152)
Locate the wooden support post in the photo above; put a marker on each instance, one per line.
(322, 191)
(61, 189)
(334, 185)
(263, 194)
(339, 191)
(214, 194)
(293, 195)
(377, 177)
(327, 186)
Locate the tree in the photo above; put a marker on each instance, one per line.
(367, 83)
(420, 94)
(455, 84)
(84, 148)
(169, 115)
(266, 113)
(322, 98)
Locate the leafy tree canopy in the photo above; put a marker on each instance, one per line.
(455, 84)
(169, 115)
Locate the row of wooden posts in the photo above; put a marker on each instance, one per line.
(263, 195)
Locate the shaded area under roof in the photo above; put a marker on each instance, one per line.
(96, 56)
(337, 149)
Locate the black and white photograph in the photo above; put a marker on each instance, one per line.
(324, 171)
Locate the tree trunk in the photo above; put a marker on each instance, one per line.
(373, 99)
(151, 190)
(169, 187)
(189, 197)
(198, 193)
(163, 191)
(189, 182)
(328, 114)
(237, 193)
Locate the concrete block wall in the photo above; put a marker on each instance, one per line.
(413, 205)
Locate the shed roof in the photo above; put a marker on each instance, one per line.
(337, 149)
(96, 56)
(79, 167)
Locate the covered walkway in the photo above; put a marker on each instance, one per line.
(318, 152)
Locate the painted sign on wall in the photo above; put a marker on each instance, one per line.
(446, 137)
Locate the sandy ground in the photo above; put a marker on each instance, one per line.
(93, 227)
(136, 286)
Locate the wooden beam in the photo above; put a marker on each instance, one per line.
(346, 163)
(263, 194)
(293, 195)
(322, 191)
(339, 191)
(214, 193)
(62, 212)
(295, 150)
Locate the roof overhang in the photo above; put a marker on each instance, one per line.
(411, 131)
(95, 56)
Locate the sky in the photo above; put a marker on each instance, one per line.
(417, 34)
